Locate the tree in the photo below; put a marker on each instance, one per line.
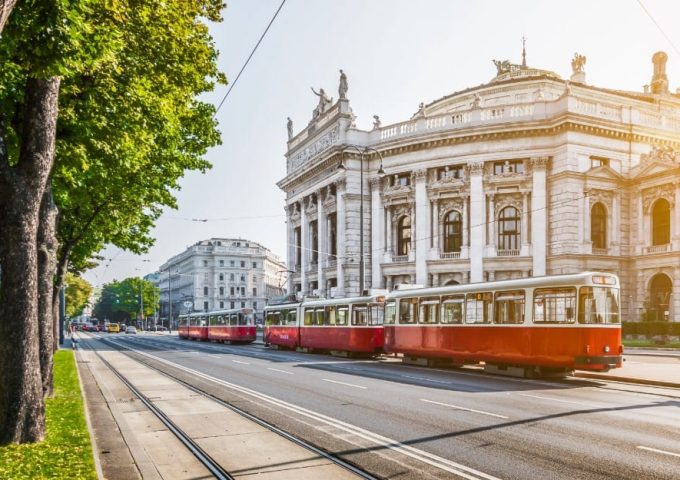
(78, 291)
(122, 301)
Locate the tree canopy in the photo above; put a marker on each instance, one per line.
(122, 301)
(78, 291)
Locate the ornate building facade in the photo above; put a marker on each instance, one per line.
(526, 175)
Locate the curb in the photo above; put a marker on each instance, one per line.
(641, 381)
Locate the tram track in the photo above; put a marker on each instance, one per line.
(200, 454)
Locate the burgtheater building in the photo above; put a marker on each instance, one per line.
(526, 175)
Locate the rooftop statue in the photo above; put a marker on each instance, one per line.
(342, 88)
(289, 125)
(324, 102)
(577, 63)
(376, 122)
(502, 66)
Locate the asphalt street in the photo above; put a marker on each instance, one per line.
(399, 421)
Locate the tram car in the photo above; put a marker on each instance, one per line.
(183, 326)
(529, 326)
(340, 326)
(234, 326)
(196, 326)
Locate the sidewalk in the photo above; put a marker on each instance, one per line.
(131, 442)
(661, 371)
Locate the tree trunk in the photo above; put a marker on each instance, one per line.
(22, 184)
(6, 7)
(47, 249)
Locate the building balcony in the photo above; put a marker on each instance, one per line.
(515, 252)
(600, 251)
(666, 247)
(399, 258)
(448, 255)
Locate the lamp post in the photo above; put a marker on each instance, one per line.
(170, 275)
(381, 173)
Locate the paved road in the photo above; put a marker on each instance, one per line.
(399, 421)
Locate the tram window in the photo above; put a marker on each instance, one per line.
(554, 305)
(343, 313)
(359, 314)
(429, 308)
(273, 318)
(248, 319)
(319, 316)
(408, 310)
(376, 314)
(598, 305)
(509, 307)
(233, 319)
(390, 313)
(291, 317)
(204, 321)
(309, 317)
(478, 307)
(330, 316)
(452, 309)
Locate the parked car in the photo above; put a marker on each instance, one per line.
(131, 329)
(113, 328)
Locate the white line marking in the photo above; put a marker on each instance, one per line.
(282, 371)
(239, 361)
(465, 409)
(343, 383)
(558, 400)
(380, 440)
(658, 451)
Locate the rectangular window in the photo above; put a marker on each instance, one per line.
(390, 313)
(448, 173)
(231, 263)
(452, 309)
(402, 179)
(508, 166)
(243, 304)
(272, 318)
(319, 316)
(254, 264)
(221, 304)
(231, 291)
(359, 314)
(376, 314)
(243, 264)
(291, 317)
(231, 305)
(509, 307)
(254, 291)
(555, 305)
(243, 278)
(254, 305)
(221, 277)
(478, 307)
(343, 313)
(429, 310)
(330, 316)
(205, 306)
(598, 305)
(205, 263)
(243, 291)
(205, 291)
(221, 263)
(233, 319)
(408, 310)
(221, 290)
(596, 161)
(309, 317)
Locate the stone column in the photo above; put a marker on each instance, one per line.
(465, 249)
(389, 250)
(539, 215)
(492, 227)
(640, 223)
(526, 246)
(674, 315)
(322, 234)
(340, 232)
(377, 233)
(435, 279)
(676, 219)
(304, 247)
(587, 227)
(290, 251)
(477, 223)
(422, 231)
(436, 234)
(582, 207)
(615, 239)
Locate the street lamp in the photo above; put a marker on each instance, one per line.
(381, 174)
(170, 275)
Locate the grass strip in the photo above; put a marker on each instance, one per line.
(650, 344)
(66, 451)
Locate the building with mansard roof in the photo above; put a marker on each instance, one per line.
(528, 174)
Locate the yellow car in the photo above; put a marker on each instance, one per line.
(112, 328)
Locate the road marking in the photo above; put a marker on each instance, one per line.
(380, 440)
(456, 407)
(239, 361)
(659, 451)
(282, 371)
(343, 383)
(558, 400)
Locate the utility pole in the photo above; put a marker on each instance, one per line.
(141, 302)
(169, 302)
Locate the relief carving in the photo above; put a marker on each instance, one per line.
(662, 154)
(651, 195)
(316, 148)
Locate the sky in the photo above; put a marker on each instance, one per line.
(396, 54)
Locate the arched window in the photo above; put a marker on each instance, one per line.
(598, 226)
(660, 289)
(661, 222)
(451, 282)
(453, 232)
(509, 223)
(404, 235)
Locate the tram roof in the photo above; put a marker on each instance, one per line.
(584, 278)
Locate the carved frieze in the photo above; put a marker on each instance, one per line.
(662, 154)
(651, 195)
(311, 151)
(476, 168)
(445, 206)
(539, 163)
(503, 200)
(604, 197)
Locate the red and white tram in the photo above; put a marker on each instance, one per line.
(183, 326)
(538, 325)
(193, 326)
(234, 326)
(347, 325)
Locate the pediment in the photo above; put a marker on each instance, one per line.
(604, 172)
(652, 168)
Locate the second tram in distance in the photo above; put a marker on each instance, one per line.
(234, 326)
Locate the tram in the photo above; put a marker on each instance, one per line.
(193, 326)
(183, 326)
(538, 325)
(341, 326)
(234, 326)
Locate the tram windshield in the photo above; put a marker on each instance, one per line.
(598, 305)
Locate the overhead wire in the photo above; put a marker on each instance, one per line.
(642, 5)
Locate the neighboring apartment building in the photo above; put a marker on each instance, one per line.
(220, 273)
(526, 175)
